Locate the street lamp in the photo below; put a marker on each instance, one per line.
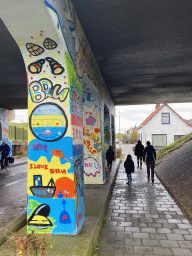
(119, 127)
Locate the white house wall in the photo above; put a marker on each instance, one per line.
(176, 127)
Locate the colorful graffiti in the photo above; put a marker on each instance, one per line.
(64, 122)
(48, 122)
(91, 134)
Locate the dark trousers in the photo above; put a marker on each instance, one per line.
(150, 165)
(4, 160)
(109, 163)
(139, 158)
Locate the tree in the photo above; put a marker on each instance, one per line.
(134, 135)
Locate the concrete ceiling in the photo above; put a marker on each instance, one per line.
(143, 49)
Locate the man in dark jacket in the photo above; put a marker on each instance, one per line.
(4, 151)
(150, 154)
(109, 157)
(139, 148)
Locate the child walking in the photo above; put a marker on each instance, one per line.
(129, 168)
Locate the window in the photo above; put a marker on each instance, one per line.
(176, 137)
(159, 140)
(165, 117)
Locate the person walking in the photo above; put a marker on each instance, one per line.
(109, 157)
(129, 168)
(139, 148)
(150, 154)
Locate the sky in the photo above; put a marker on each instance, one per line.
(130, 115)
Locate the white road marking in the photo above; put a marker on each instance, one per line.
(12, 183)
(9, 184)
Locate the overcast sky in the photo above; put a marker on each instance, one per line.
(136, 114)
(130, 115)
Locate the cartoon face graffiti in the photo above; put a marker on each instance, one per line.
(48, 122)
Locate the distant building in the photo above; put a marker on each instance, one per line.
(162, 127)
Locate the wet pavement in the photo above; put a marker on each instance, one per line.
(143, 219)
(13, 191)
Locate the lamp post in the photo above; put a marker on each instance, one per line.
(119, 127)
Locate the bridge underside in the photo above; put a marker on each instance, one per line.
(143, 49)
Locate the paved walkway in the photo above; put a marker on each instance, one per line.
(142, 219)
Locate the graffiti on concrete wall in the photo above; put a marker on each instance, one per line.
(91, 134)
(64, 122)
(51, 182)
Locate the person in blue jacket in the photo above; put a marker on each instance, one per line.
(4, 151)
(150, 155)
(129, 168)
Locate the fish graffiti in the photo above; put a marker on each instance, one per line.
(38, 146)
(59, 153)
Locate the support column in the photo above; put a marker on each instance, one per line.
(55, 184)
(93, 164)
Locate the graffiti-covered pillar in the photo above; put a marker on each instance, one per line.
(93, 164)
(45, 34)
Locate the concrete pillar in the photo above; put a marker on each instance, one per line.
(93, 162)
(43, 31)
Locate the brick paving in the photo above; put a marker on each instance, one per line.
(143, 219)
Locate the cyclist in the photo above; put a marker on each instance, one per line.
(4, 151)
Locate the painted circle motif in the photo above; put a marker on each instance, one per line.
(48, 122)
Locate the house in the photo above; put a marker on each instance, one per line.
(162, 127)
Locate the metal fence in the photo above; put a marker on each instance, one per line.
(17, 133)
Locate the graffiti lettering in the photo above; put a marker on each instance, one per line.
(91, 166)
(42, 89)
(57, 171)
(95, 138)
(38, 166)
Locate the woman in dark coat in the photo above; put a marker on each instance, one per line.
(109, 157)
(139, 153)
(129, 168)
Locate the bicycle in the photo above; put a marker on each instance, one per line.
(7, 166)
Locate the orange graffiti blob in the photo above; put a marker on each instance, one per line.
(65, 187)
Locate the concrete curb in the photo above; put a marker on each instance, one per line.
(13, 226)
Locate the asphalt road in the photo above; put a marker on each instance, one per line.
(13, 193)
